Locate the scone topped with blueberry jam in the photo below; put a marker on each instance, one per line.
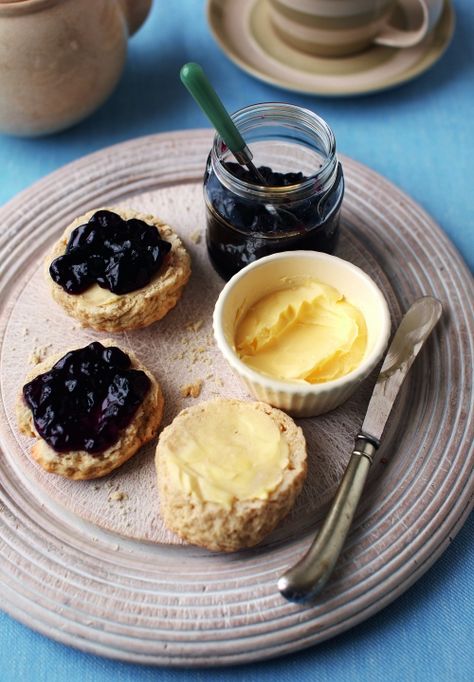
(117, 270)
(90, 410)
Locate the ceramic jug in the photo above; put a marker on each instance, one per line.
(60, 59)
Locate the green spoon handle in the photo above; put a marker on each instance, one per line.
(195, 80)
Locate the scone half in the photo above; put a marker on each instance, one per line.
(80, 464)
(236, 523)
(102, 310)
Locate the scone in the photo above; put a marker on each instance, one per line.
(112, 272)
(228, 471)
(91, 410)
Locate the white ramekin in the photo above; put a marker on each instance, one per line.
(266, 275)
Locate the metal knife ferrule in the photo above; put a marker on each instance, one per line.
(366, 446)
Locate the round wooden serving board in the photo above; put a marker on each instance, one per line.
(104, 574)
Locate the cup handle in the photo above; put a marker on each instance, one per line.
(394, 37)
(136, 11)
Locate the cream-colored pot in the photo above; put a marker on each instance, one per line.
(60, 59)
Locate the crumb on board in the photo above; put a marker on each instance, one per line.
(195, 326)
(39, 354)
(196, 236)
(118, 496)
(192, 390)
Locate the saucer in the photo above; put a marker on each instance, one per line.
(244, 32)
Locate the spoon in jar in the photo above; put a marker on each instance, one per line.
(198, 85)
(195, 80)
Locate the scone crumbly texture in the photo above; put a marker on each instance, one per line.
(210, 525)
(138, 308)
(79, 464)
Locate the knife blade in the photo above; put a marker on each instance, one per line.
(413, 331)
(307, 577)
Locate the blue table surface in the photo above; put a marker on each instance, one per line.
(420, 136)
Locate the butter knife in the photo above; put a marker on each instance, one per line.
(307, 578)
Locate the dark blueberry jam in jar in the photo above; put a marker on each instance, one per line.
(86, 398)
(299, 206)
(120, 255)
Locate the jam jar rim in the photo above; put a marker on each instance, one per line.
(325, 176)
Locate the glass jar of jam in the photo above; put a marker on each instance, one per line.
(299, 205)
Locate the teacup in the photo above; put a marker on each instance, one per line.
(335, 28)
(61, 59)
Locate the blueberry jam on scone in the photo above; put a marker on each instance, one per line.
(117, 254)
(86, 398)
(117, 270)
(90, 410)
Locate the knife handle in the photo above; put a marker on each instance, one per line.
(306, 578)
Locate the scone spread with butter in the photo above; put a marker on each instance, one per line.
(228, 471)
(117, 270)
(90, 409)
